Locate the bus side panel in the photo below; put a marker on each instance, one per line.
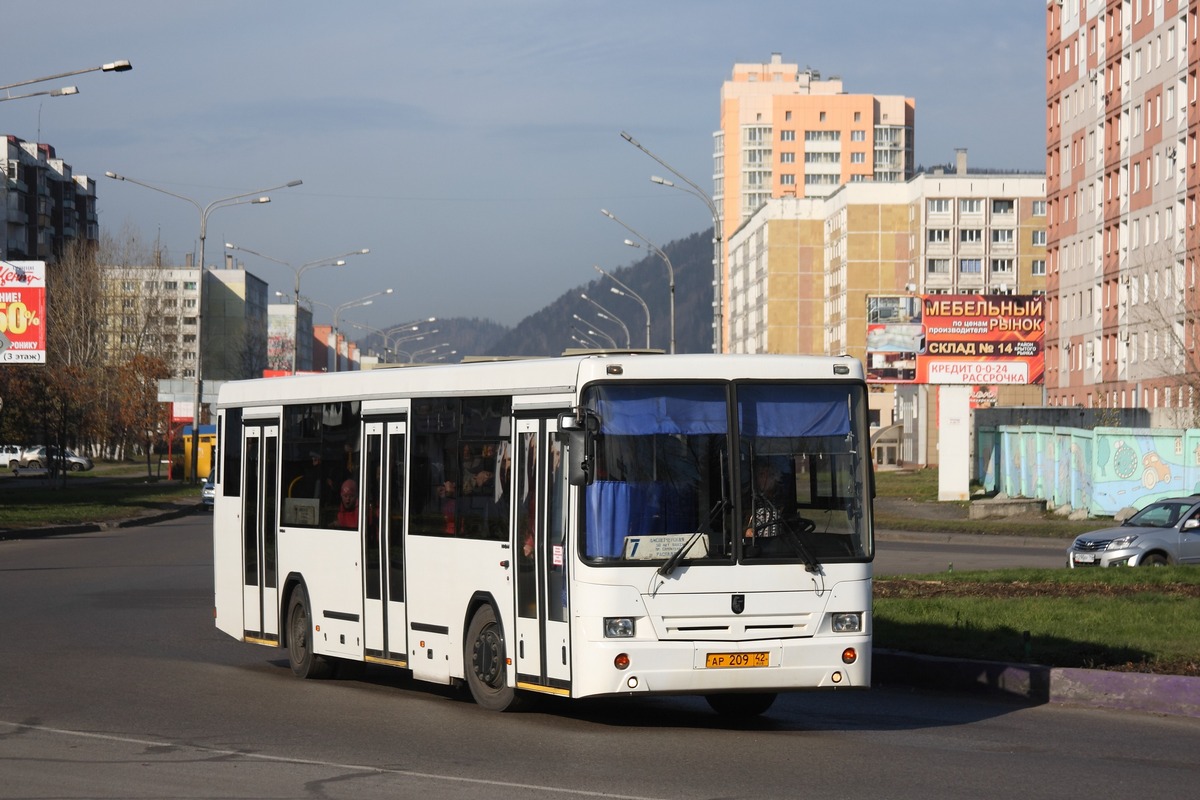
(328, 562)
(227, 561)
(443, 576)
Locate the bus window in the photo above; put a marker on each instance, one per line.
(661, 474)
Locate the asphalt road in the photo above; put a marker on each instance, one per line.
(114, 683)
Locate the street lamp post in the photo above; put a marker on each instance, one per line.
(237, 199)
(112, 66)
(631, 293)
(670, 273)
(592, 332)
(331, 261)
(604, 313)
(337, 312)
(718, 246)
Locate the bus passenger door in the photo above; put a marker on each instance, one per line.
(260, 526)
(382, 513)
(543, 628)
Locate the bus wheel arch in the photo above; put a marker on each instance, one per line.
(485, 657)
(298, 635)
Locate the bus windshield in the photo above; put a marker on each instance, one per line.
(665, 485)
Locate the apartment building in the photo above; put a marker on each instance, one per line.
(788, 132)
(1122, 181)
(819, 275)
(43, 205)
(156, 310)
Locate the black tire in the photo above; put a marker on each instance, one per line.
(34, 465)
(741, 706)
(484, 662)
(76, 467)
(1154, 560)
(304, 662)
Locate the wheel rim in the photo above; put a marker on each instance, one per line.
(487, 657)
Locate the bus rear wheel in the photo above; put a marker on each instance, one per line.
(486, 663)
(741, 706)
(304, 662)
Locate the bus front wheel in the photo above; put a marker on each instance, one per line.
(305, 663)
(486, 663)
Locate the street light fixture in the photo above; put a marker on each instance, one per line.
(591, 332)
(63, 92)
(631, 293)
(337, 312)
(604, 313)
(113, 66)
(670, 272)
(237, 199)
(331, 261)
(718, 247)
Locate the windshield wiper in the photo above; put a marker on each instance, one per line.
(669, 565)
(811, 564)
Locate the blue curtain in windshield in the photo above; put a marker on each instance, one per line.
(631, 410)
(616, 509)
(793, 410)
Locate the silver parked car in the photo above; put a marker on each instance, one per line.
(1164, 532)
(43, 456)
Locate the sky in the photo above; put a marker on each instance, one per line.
(470, 144)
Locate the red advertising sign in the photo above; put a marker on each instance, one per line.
(959, 339)
(22, 312)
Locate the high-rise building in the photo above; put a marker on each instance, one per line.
(43, 205)
(1122, 185)
(788, 132)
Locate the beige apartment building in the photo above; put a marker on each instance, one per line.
(803, 271)
(156, 310)
(786, 132)
(1122, 181)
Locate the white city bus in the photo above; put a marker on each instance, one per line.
(602, 524)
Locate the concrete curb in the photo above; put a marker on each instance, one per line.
(1173, 695)
(181, 510)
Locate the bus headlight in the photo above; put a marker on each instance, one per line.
(847, 622)
(618, 627)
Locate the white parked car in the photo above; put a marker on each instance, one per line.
(10, 455)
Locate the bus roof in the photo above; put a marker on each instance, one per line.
(564, 374)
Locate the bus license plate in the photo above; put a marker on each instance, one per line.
(737, 660)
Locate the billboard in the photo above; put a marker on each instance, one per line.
(978, 340)
(22, 312)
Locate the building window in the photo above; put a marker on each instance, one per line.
(787, 116)
(822, 116)
(970, 266)
(787, 136)
(939, 205)
(970, 206)
(1004, 266)
(787, 180)
(1039, 238)
(939, 235)
(970, 236)
(787, 158)
(858, 136)
(1002, 206)
(822, 136)
(858, 158)
(1039, 266)
(1003, 236)
(1039, 208)
(938, 266)
(858, 116)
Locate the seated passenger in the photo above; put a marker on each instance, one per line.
(347, 514)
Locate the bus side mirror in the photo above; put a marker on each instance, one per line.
(578, 431)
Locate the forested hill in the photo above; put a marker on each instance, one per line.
(548, 331)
